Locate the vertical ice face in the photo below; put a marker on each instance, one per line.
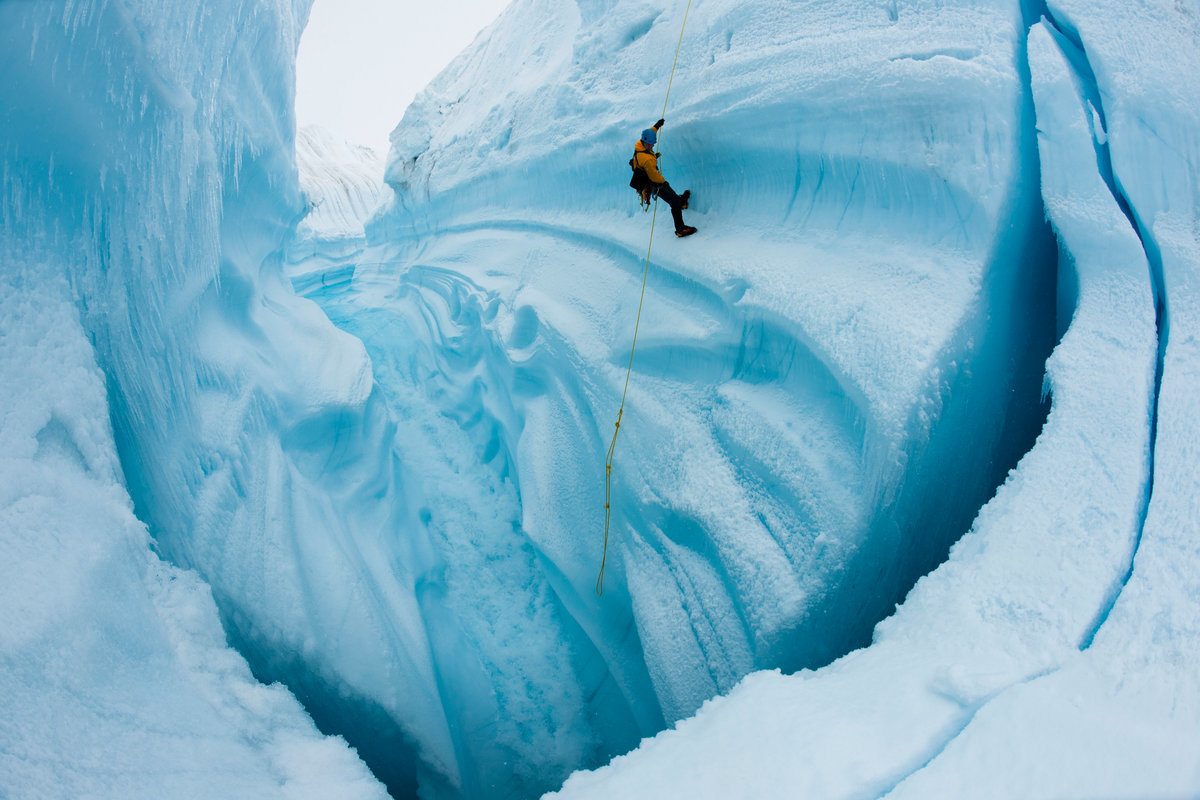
(1054, 654)
(1120, 716)
(145, 177)
(829, 382)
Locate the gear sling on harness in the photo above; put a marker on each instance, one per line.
(645, 274)
(640, 183)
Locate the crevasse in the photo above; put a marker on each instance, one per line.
(378, 449)
(798, 447)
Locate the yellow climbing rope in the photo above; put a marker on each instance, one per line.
(629, 369)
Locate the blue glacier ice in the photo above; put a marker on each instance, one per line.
(147, 172)
(303, 470)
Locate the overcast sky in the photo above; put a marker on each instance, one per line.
(361, 62)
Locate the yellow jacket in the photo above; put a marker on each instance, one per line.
(645, 158)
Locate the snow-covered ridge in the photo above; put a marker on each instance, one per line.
(343, 184)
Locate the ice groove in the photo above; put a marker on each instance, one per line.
(955, 730)
(1077, 56)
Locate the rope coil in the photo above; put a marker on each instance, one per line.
(608, 461)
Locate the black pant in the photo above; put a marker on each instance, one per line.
(665, 192)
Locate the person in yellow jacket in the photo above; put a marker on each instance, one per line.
(645, 159)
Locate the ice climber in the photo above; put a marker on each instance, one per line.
(654, 184)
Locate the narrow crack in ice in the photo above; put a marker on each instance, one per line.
(1076, 54)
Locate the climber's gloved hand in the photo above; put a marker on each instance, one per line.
(659, 124)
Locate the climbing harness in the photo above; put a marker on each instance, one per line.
(640, 182)
(637, 324)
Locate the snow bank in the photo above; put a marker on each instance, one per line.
(146, 171)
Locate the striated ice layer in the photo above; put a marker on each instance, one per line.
(342, 182)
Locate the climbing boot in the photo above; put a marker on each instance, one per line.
(686, 230)
(684, 197)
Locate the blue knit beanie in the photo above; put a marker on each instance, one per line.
(650, 136)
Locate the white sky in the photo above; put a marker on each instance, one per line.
(362, 62)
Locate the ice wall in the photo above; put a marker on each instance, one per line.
(146, 166)
(398, 514)
(830, 381)
(1054, 654)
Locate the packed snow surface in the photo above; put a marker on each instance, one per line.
(905, 491)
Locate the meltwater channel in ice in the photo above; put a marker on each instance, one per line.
(798, 446)
(357, 431)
